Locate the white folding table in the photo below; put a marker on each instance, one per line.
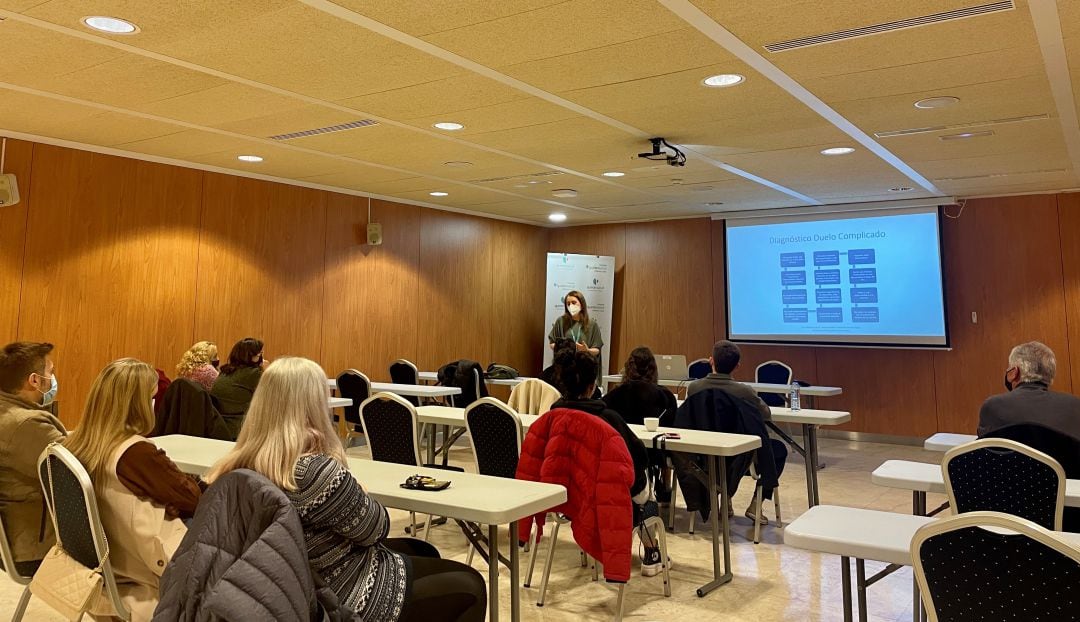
(430, 376)
(944, 441)
(409, 390)
(714, 445)
(469, 498)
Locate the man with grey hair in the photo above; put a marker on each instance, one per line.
(1031, 372)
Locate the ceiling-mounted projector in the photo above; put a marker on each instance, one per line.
(9, 190)
(658, 153)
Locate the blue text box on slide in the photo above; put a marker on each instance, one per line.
(826, 258)
(858, 256)
(827, 295)
(830, 314)
(793, 277)
(862, 275)
(827, 277)
(865, 314)
(792, 260)
(796, 315)
(863, 294)
(794, 296)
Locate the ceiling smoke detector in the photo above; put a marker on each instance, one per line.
(936, 102)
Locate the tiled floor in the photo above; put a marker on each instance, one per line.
(772, 581)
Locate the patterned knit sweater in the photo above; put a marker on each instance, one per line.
(343, 527)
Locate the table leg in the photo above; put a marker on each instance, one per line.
(515, 576)
(493, 573)
(719, 515)
(845, 584)
(860, 578)
(810, 456)
(918, 508)
(430, 428)
(445, 450)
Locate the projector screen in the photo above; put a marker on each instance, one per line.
(870, 278)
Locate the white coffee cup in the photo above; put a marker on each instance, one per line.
(651, 423)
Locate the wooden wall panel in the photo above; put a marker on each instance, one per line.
(19, 161)
(667, 296)
(1004, 262)
(456, 314)
(261, 265)
(1069, 227)
(372, 295)
(111, 253)
(609, 241)
(518, 270)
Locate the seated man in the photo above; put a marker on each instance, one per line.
(1031, 371)
(27, 385)
(724, 361)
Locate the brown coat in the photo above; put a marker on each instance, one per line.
(25, 431)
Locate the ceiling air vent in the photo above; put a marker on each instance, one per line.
(532, 177)
(352, 125)
(876, 29)
(960, 126)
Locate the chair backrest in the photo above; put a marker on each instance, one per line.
(699, 369)
(496, 434)
(69, 495)
(391, 429)
(986, 566)
(405, 372)
(999, 475)
(355, 386)
(533, 397)
(773, 372)
(7, 560)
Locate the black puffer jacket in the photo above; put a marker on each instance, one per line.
(243, 559)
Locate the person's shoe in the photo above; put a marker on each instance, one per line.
(730, 510)
(650, 562)
(751, 513)
(662, 492)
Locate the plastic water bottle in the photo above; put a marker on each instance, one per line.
(793, 397)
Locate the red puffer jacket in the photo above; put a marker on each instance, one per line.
(584, 454)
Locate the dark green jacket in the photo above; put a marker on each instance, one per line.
(233, 391)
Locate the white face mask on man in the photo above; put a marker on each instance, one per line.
(573, 309)
(48, 396)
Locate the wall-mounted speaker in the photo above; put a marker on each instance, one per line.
(9, 190)
(374, 234)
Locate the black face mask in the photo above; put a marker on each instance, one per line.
(215, 363)
(260, 361)
(1008, 385)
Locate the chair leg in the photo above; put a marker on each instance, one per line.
(427, 528)
(671, 504)
(20, 609)
(469, 558)
(595, 572)
(412, 524)
(776, 507)
(547, 564)
(619, 602)
(532, 560)
(656, 526)
(584, 559)
(693, 517)
(757, 515)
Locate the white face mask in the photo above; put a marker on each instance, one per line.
(47, 397)
(573, 309)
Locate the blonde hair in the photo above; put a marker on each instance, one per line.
(197, 355)
(289, 417)
(117, 408)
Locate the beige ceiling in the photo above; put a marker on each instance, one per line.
(553, 93)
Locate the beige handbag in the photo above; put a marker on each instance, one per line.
(62, 582)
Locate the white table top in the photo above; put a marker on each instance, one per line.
(855, 532)
(339, 402)
(413, 390)
(924, 477)
(760, 387)
(809, 416)
(944, 441)
(693, 441)
(863, 534)
(468, 498)
(431, 376)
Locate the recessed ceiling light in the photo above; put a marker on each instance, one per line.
(439, 194)
(900, 189)
(723, 80)
(111, 25)
(557, 217)
(448, 126)
(838, 151)
(249, 158)
(613, 174)
(458, 164)
(937, 102)
(967, 135)
(565, 193)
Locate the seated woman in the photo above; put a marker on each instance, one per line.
(200, 364)
(288, 438)
(577, 372)
(638, 396)
(142, 496)
(237, 382)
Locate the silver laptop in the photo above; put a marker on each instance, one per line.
(672, 367)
